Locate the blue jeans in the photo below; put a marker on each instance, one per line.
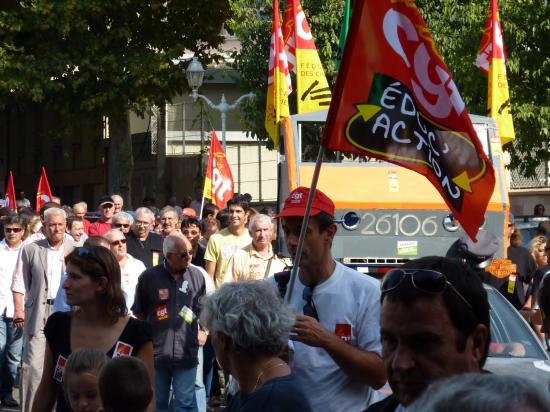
(11, 344)
(182, 381)
(200, 392)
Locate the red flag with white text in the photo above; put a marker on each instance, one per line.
(218, 182)
(43, 193)
(395, 100)
(10, 200)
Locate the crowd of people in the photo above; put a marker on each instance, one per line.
(152, 309)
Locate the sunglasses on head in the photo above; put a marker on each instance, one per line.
(118, 242)
(12, 229)
(124, 225)
(424, 280)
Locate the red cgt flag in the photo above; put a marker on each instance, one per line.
(218, 182)
(10, 194)
(395, 100)
(43, 193)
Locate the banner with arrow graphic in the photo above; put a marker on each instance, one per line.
(395, 100)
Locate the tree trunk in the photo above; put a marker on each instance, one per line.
(121, 158)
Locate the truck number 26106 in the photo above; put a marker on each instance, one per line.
(395, 224)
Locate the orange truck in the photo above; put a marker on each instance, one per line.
(388, 214)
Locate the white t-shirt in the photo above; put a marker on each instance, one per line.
(8, 260)
(347, 297)
(129, 278)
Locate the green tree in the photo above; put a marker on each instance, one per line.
(104, 57)
(457, 27)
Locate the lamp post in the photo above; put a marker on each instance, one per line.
(195, 76)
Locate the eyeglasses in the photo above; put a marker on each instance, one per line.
(309, 308)
(84, 252)
(124, 225)
(12, 229)
(425, 280)
(118, 242)
(184, 255)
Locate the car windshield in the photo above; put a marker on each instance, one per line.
(511, 336)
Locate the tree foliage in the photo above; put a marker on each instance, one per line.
(457, 27)
(104, 57)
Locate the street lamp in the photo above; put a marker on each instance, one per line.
(195, 75)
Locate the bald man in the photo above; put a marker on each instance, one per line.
(167, 296)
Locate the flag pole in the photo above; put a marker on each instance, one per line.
(305, 222)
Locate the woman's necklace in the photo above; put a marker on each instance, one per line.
(264, 370)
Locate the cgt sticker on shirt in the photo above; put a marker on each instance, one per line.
(164, 294)
(59, 368)
(162, 312)
(122, 349)
(343, 331)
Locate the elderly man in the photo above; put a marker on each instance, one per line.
(38, 279)
(80, 209)
(122, 221)
(118, 201)
(106, 208)
(168, 296)
(257, 260)
(11, 338)
(75, 228)
(434, 324)
(337, 334)
(168, 220)
(142, 243)
(130, 267)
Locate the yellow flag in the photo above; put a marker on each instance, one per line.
(491, 60)
(279, 85)
(312, 88)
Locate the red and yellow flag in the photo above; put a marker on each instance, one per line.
(43, 193)
(279, 85)
(312, 88)
(218, 183)
(491, 60)
(395, 100)
(10, 200)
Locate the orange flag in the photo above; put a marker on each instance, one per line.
(43, 193)
(279, 85)
(312, 88)
(395, 100)
(10, 201)
(218, 183)
(491, 60)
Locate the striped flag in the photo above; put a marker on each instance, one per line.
(491, 60)
(312, 88)
(279, 85)
(218, 182)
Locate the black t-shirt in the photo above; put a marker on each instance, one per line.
(282, 394)
(199, 260)
(146, 250)
(58, 335)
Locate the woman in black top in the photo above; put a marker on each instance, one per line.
(100, 322)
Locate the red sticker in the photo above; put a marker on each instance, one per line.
(163, 294)
(122, 349)
(59, 368)
(162, 312)
(343, 331)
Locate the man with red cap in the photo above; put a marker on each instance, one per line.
(336, 338)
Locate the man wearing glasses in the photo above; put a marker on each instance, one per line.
(11, 338)
(37, 278)
(168, 296)
(106, 208)
(337, 351)
(130, 267)
(143, 244)
(434, 324)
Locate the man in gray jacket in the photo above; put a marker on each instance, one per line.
(36, 280)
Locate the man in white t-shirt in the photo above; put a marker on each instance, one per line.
(336, 338)
(130, 267)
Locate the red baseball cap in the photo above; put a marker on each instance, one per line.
(295, 203)
(188, 211)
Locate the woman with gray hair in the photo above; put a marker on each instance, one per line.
(249, 326)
